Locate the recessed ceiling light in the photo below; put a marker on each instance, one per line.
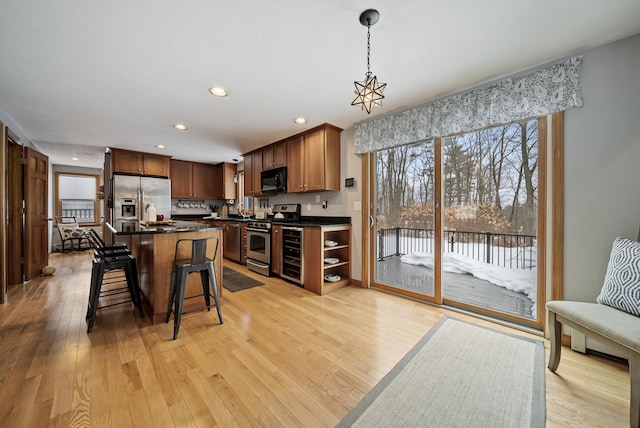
(74, 159)
(300, 120)
(218, 91)
(180, 127)
(161, 146)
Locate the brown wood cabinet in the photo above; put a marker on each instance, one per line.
(243, 234)
(225, 186)
(276, 249)
(181, 181)
(204, 186)
(316, 252)
(252, 170)
(192, 180)
(138, 163)
(314, 160)
(274, 155)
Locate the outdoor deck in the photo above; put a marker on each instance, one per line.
(462, 288)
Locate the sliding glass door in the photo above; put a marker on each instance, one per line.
(456, 220)
(405, 219)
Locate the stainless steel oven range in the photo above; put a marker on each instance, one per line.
(259, 240)
(259, 247)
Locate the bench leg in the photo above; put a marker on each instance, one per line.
(555, 336)
(634, 402)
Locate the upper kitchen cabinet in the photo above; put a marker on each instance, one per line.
(204, 184)
(225, 181)
(274, 156)
(252, 170)
(193, 180)
(138, 163)
(314, 160)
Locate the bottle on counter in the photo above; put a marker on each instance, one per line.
(151, 213)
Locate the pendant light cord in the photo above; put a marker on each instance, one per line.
(368, 47)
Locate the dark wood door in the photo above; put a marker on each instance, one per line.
(15, 196)
(3, 214)
(36, 224)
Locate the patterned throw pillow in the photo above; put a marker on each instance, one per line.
(621, 288)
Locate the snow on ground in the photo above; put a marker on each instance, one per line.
(518, 280)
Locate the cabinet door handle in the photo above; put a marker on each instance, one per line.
(371, 221)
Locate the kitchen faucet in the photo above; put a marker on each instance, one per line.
(241, 210)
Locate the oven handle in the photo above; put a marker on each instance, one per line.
(267, 231)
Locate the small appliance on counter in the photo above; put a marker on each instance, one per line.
(286, 213)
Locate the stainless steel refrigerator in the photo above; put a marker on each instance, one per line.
(132, 194)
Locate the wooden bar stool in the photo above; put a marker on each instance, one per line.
(199, 262)
(108, 259)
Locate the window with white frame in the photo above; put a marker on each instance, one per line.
(77, 197)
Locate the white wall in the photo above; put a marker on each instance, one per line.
(602, 165)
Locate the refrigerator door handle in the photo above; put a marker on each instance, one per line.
(141, 203)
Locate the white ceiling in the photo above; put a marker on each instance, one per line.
(77, 76)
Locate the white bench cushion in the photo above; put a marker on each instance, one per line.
(617, 325)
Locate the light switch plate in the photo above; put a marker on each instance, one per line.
(309, 207)
(357, 205)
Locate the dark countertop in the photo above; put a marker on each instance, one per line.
(308, 221)
(121, 227)
(316, 221)
(192, 217)
(310, 224)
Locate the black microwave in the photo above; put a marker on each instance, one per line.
(274, 180)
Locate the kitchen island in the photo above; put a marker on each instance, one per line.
(154, 249)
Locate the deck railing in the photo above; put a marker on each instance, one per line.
(514, 251)
(83, 210)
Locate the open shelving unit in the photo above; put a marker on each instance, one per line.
(317, 251)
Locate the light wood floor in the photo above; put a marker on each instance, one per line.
(284, 357)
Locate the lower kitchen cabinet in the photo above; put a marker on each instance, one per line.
(276, 249)
(243, 239)
(327, 258)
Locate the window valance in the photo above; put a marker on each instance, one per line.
(545, 91)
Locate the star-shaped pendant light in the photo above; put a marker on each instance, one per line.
(369, 91)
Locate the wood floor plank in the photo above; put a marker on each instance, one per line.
(283, 357)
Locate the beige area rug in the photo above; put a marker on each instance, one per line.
(460, 375)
